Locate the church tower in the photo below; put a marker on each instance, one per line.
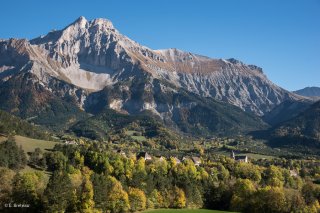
(232, 155)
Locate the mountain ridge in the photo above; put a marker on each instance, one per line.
(309, 92)
(301, 130)
(181, 68)
(91, 65)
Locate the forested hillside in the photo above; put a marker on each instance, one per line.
(10, 124)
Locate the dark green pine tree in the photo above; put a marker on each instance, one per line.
(11, 155)
(58, 193)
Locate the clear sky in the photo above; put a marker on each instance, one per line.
(281, 36)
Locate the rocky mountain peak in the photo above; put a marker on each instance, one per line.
(254, 67)
(103, 23)
(93, 55)
(81, 21)
(83, 27)
(235, 61)
(80, 29)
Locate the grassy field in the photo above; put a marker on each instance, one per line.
(258, 156)
(183, 211)
(29, 144)
(139, 138)
(250, 155)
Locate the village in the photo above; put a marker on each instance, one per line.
(195, 159)
(149, 157)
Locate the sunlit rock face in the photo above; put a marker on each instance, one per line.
(87, 59)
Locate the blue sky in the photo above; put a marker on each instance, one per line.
(281, 36)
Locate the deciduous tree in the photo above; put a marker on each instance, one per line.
(137, 199)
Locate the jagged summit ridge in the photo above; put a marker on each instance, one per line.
(79, 24)
(92, 55)
(81, 21)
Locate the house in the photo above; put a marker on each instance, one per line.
(144, 155)
(176, 160)
(121, 152)
(293, 173)
(70, 143)
(185, 158)
(239, 158)
(196, 161)
(161, 158)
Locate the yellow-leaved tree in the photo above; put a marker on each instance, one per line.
(86, 197)
(137, 199)
(179, 198)
(117, 199)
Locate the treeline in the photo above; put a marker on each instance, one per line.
(90, 178)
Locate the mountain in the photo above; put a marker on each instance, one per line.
(98, 50)
(10, 124)
(306, 124)
(25, 96)
(302, 129)
(89, 66)
(309, 92)
(286, 111)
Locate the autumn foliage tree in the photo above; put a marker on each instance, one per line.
(137, 199)
(91, 178)
(117, 198)
(86, 197)
(179, 198)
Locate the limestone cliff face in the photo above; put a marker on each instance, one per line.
(88, 59)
